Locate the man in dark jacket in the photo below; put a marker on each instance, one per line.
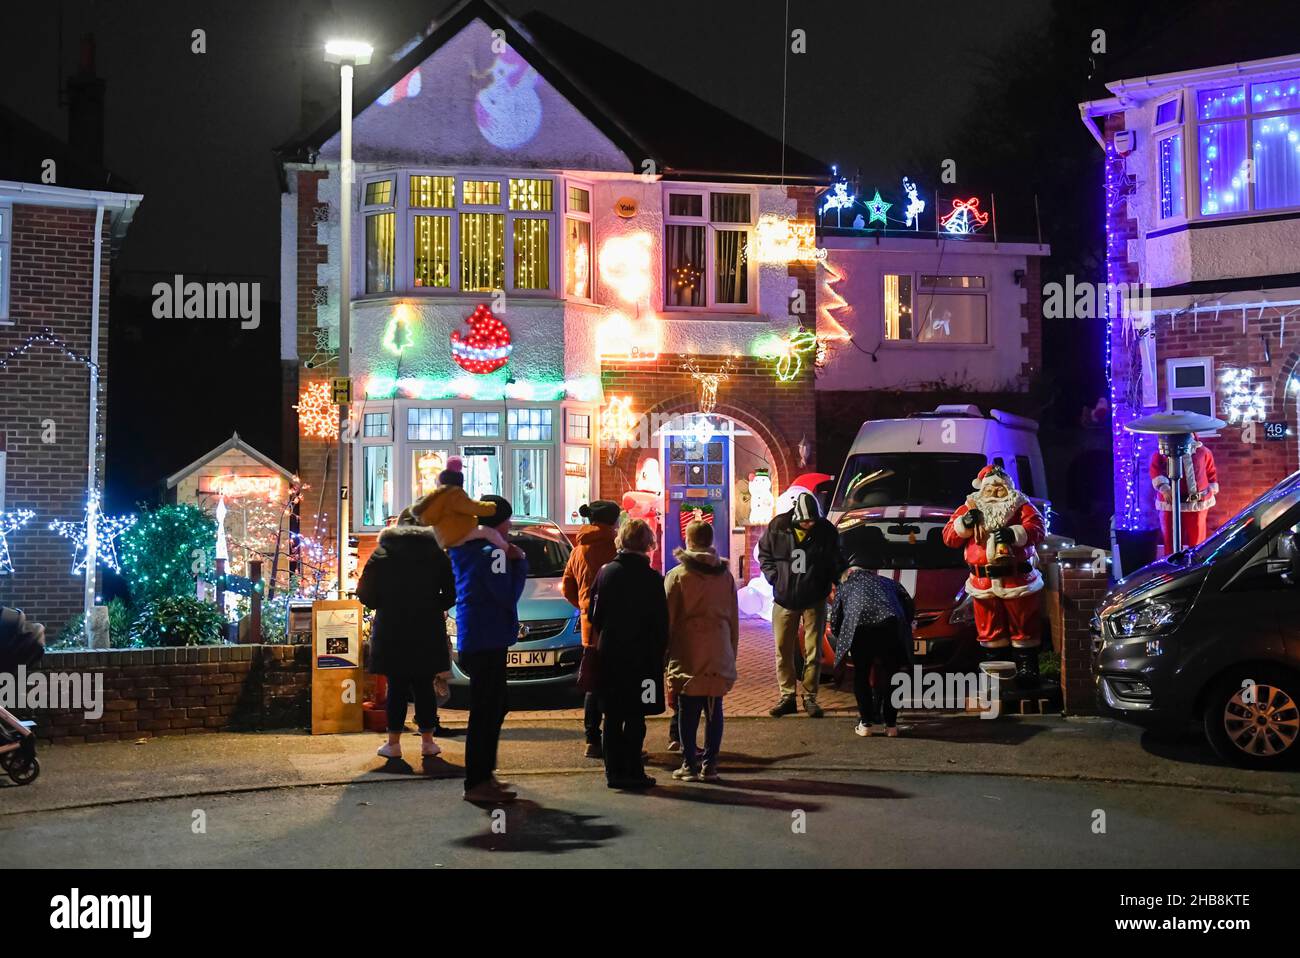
(408, 582)
(800, 558)
(489, 582)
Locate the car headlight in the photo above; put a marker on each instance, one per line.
(1152, 617)
(964, 613)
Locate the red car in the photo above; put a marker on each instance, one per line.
(906, 543)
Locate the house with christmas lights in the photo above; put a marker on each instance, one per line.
(577, 277)
(63, 218)
(1202, 201)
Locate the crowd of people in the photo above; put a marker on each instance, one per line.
(651, 643)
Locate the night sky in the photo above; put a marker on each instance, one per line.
(195, 133)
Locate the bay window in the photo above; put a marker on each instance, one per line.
(1248, 147)
(706, 249)
(577, 243)
(381, 236)
(376, 484)
(1169, 159)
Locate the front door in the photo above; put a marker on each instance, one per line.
(696, 485)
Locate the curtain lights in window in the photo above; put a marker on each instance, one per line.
(11, 522)
(318, 417)
(625, 265)
(486, 348)
(93, 537)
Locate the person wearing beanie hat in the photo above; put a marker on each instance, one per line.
(800, 558)
(593, 547)
(452, 513)
(489, 582)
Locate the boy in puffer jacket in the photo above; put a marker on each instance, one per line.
(703, 636)
(452, 513)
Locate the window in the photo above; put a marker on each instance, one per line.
(531, 481)
(577, 244)
(577, 482)
(433, 192)
(424, 424)
(1025, 475)
(1189, 385)
(6, 228)
(381, 236)
(481, 192)
(480, 425)
(937, 309)
(528, 425)
(579, 427)
(898, 306)
(432, 253)
(1169, 159)
(375, 424)
(533, 196)
(706, 258)
(376, 484)
(482, 471)
(1169, 113)
(532, 259)
(1248, 148)
(426, 465)
(482, 251)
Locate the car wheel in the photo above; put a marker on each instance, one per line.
(1252, 718)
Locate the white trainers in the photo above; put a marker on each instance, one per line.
(430, 749)
(389, 751)
(863, 729)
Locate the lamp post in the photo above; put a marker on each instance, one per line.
(347, 54)
(1174, 434)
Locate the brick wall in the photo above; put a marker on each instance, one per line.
(1031, 311)
(184, 691)
(51, 277)
(1081, 589)
(780, 414)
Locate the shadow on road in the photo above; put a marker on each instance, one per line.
(530, 827)
(964, 728)
(766, 793)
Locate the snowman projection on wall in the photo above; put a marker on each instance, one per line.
(508, 111)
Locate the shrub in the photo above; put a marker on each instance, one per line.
(119, 630)
(179, 620)
(165, 549)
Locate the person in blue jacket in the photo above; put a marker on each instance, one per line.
(489, 581)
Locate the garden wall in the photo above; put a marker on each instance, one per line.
(182, 691)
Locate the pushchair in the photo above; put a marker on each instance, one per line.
(22, 643)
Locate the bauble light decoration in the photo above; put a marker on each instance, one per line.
(486, 348)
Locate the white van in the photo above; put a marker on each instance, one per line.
(930, 459)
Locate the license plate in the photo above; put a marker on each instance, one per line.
(920, 646)
(536, 657)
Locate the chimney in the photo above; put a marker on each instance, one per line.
(86, 108)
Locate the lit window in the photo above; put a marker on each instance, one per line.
(431, 265)
(898, 306)
(531, 196)
(731, 266)
(952, 282)
(480, 425)
(684, 260)
(577, 258)
(729, 207)
(706, 249)
(376, 484)
(1223, 168)
(375, 424)
(685, 204)
(953, 319)
(1277, 161)
(1172, 189)
(433, 192)
(579, 200)
(577, 482)
(528, 425)
(531, 241)
(1248, 149)
(481, 192)
(426, 466)
(424, 424)
(532, 482)
(482, 251)
(482, 470)
(381, 252)
(379, 193)
(579, 426)
(1275, 95)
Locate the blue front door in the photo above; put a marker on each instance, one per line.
(696, 479)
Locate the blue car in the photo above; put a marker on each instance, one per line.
(550, 634)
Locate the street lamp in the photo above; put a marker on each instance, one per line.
(347, 54)
(1174, 434)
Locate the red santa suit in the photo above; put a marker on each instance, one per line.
(1199, 486)
(1006, 600)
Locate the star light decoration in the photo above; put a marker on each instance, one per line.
(92, 537)
(878, 209)
(11, 522)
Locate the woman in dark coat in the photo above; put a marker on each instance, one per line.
(871, 620)
(408, 582)
(630, 614)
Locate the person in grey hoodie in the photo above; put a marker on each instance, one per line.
(703, 636)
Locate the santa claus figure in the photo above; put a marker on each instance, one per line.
(998, 529)
(1199, 485)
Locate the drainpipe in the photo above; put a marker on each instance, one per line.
(92, 445)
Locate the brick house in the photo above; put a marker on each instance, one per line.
(624, 226)
(1202, 194)
(62, 221)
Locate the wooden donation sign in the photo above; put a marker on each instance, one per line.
(337, 677)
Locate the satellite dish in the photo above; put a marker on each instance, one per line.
(1174, 423)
